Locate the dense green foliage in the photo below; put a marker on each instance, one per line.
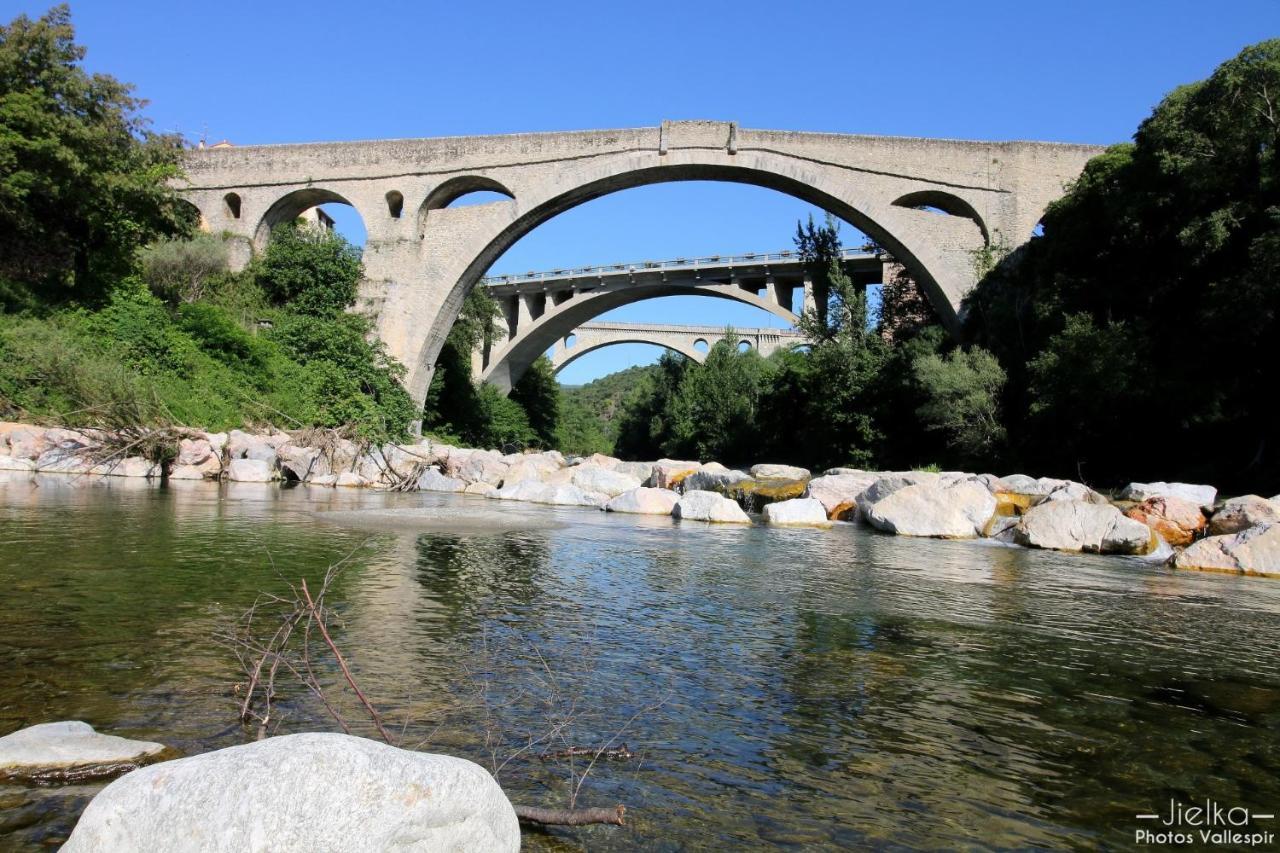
(312, 270)
(198, 366)
(1149, 305)
(855, 396)
(109, 316)
(83, 183)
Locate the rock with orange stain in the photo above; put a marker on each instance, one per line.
(1176, 520)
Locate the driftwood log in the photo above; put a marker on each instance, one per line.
(572, 817)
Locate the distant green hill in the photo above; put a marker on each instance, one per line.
(590, 411)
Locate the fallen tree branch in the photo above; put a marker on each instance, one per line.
(617, 753)
(572, 817)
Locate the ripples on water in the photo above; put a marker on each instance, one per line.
(817, 688)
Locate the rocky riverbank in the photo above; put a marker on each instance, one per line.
(1184, 524)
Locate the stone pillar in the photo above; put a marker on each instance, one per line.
(806, 302)
(771, 291)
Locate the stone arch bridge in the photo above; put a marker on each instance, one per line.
(541, 308)
(682, 339)
(931, 203)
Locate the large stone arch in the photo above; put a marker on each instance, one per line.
(575, 353)
(941, 278)
(509, 363)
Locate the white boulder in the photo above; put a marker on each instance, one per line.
(433, 481)
(1255, 551)
(591, 478)
(15, 463)
(714, 477)
(779, 472)
(708, 506)
(193, 451)
(668, 473)
(302, 792)
(838, 493)
(645, 501)
(351, 480)
(1242, 513)
(571, 495)
(68, 751)
(1083, 526)
(1201, 496)
(798, 512)
(642, 471)
(534, 491)
(249, 471)
(933, 506)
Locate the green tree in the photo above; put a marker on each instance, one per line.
(312, 270)
(962, 393)
(83, 181)
(181, 270)
(1168, 247)
(846, 356)
(538, 393)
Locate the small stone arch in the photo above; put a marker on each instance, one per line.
(232, 204)
(745, 345)
(291, 205)
(189, 214)
(395, 204)
(455, 188)
(702, 345)
(944, 202)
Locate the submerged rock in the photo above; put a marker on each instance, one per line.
(937, 507)
(1242, 513)
(302, 792)
(708, 506)
(1255, 551)
(70, 751)
(797, 512)
(1201, 496)
(1083, 526)
(1177, 521)
(644, 501)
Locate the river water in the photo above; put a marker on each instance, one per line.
(779, 688)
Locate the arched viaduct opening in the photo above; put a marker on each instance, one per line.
(528, 218)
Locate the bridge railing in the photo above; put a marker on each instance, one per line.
(786, 255)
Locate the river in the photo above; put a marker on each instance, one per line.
(779, 688)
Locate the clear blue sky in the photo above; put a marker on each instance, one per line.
(257, 72)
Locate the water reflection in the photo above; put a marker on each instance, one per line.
(819, 689)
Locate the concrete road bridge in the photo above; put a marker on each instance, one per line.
(681, 339)
(541, 308)
(931, 203)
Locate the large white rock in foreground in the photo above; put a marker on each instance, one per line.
(303, 792)
(1255, 551)
(709, 506)
(1083, 526)
(797, 512)
(70, 751)
(933, 506)
(644, 501)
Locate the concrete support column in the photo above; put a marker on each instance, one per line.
(806, 302)
(771, 291)
(524, 313)
(510, 314)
